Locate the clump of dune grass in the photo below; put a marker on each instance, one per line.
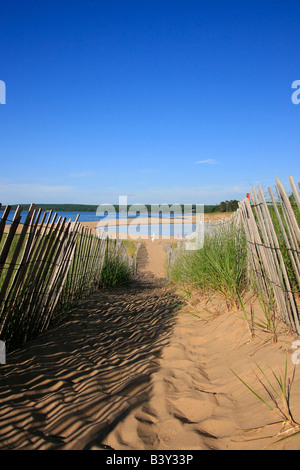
(220, 266)
(269, 321)
(287, 254)
(278, 394)
(115, 272)
(131, 247)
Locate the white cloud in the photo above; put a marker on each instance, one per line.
(209, 161)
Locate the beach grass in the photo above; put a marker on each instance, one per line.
(276, 396)
(115, 272)
(286, 253)
(219, 266)
(131, 247)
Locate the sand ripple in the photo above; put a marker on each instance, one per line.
(70, 387)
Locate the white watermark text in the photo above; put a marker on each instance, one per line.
(2, 92)
(296, 94)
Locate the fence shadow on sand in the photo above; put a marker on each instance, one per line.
(69, 388)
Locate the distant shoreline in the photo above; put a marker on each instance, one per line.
(208, 208)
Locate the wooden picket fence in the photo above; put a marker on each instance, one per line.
(210, 228)
(46, 263)
(271, 226)
(273, 237)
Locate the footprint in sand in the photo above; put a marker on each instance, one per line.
(192, 410)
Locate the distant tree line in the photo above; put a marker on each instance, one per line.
(93, 208)
(224, 206)
(227, 206)
(60, 207)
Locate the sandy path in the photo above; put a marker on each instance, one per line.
(196, 403)
(68, 388)
(132, 369)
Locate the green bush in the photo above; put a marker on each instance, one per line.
(115, 273)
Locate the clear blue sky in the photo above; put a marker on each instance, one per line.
(123, 97)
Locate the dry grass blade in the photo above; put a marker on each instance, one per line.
(278, 400)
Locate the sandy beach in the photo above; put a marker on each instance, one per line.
(214, 217)
(93, 225)
(137, 368)
(97, 226)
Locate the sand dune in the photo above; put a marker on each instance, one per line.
(71, 385)
(134, 369)
(197, 403)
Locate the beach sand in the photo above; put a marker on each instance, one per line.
(142, 220)
(155, 220)
(138, 368)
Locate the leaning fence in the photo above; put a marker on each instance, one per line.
(271, 224)
(46, 263)
(209, 229)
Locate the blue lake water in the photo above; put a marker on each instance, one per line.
(162, 230)
(83, 216)
(133, 227)
(90, 216)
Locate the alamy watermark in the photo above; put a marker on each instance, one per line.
(296, 354)
(2, 92)
(2, 353)
(163, 221)
(296, 94)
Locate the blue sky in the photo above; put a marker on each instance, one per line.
(160, 100)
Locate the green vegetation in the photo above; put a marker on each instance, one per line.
(93, 207)
(287, 254)
(226, 206)
(131, 247)
(220, 266)
(115, 272)
(59, 207)
(40, 291)
(295, 207)
(11, 254)
(277, 399)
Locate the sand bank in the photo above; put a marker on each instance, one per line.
(155, 220)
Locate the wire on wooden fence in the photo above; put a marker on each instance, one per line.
(46, 263)
(273, 236)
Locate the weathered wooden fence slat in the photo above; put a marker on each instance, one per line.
(46, 263)
(273, 247)
(266, 252)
